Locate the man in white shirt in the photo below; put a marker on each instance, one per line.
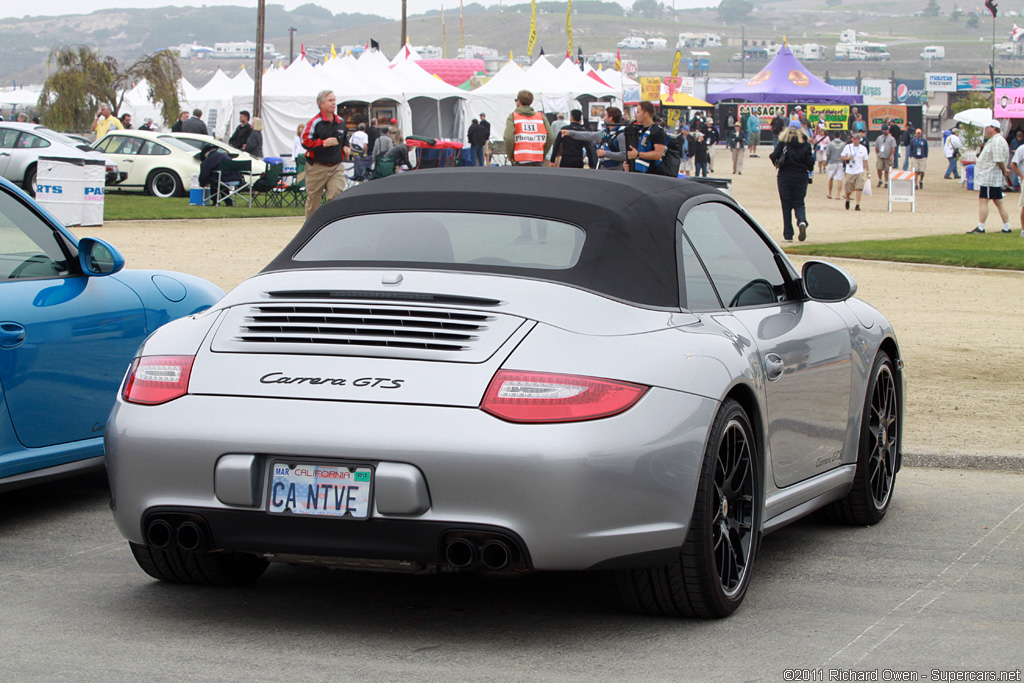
(855, 157)
(361, 140)
(951, 148)
(989, 175)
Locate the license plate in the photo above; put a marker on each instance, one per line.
(320, 490)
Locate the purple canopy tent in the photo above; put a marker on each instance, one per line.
(785, 79)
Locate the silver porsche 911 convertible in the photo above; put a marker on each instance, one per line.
(511, 370)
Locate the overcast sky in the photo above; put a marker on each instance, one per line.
(387, 8)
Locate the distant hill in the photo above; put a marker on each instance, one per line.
(597, 27)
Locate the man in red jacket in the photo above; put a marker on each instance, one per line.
(325, 139)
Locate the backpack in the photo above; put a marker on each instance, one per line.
(673, 157)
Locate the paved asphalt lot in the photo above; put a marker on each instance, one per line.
(937, 585)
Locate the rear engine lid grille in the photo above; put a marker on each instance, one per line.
(376, 330)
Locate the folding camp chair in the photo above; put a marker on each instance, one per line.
(295, 194)
(362, 170)
(266, 193)
(242, 190)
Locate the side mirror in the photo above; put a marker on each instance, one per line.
(96, 257)
(826, 282)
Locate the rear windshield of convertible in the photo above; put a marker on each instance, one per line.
(448, 238)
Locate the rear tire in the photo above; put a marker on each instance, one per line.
(711, 576)
(174, 565)
(164, 183)
(29, 183)
(868, 499)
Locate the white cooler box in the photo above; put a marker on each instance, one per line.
(71, 189)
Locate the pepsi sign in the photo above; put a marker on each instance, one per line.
(910, 91)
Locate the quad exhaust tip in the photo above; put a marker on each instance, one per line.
(159, 534)
(462, 553)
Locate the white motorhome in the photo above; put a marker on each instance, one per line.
(933, 52)
(656, 43)
(811, 52)
(428, 51)
(478, 52)
(687, 40)
(633, 43)
(859, 52)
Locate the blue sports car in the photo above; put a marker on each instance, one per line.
(71, 321)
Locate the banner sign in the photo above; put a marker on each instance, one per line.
(630, 94)
(1009, 82)
(974, 82)
(876, 90)
(845, 84)
(909, 91)
(630, 68)
(940, 82)
(877, 116)
(1009, 103)
(835, 116)
(650, 88)
(670, 87)
(764, 112)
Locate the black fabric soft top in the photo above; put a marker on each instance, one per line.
(629, 219)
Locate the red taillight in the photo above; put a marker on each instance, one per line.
(157, 379)
(548, 397)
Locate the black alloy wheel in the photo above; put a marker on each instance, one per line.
(878, 455)
(711, 576)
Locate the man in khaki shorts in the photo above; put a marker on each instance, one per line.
(885, 145)
(917, 152)
(855, 158)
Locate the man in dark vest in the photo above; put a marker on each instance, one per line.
(568, 152)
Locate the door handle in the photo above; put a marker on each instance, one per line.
(773, 366)
(11, 335)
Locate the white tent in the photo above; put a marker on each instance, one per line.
(581, 84)
(407, 53)
(20, 97)
(552, 93)
(437, 108)
(496, 97)
(214, 99)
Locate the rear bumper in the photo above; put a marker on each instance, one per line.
(574, 495)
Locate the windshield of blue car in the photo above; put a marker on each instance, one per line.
(447, 237)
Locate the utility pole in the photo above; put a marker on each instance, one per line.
(257, 95)
(401, 43)
(743, 51)
(291, 44)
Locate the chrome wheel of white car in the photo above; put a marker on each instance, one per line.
(163, 183)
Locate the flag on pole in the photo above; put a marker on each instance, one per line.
(579, 57)
(533, 27)
(992, 7)
(675, 63)
(1017, 32)
(541, 51)
(618, 60)
(303, 55)
(462, 27)
(333, 53)
(568, 26)
(374, 45)
(568, 55)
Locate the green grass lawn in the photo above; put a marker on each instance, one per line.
(992, 250)
(120, 206)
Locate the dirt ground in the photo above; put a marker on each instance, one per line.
(959, 329)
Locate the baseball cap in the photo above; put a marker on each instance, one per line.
(686, 128)
(994, 123)
(795, 124)
(394, 122)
